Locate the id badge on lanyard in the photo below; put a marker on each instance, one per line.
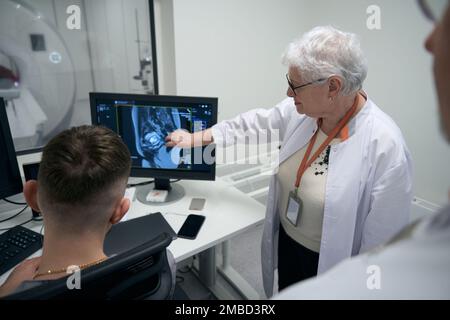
(295, 204)
(294, 208)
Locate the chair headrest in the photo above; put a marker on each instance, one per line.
(128, 275)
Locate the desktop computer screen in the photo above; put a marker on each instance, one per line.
(10, 180)
(144, 121)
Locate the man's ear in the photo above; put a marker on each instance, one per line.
(30, 192)
(334, 86)
(120, 210)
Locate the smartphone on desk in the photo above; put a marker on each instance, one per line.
(191, 226)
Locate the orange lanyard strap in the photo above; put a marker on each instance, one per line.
(305, 163)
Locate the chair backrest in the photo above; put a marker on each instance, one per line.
(140, 273)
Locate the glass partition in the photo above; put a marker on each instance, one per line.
(54, 52)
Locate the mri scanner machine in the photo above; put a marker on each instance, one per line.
(37, 77)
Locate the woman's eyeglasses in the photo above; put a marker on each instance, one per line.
(303, 85)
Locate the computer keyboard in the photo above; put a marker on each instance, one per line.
(16, 245)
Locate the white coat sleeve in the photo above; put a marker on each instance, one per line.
(253, 122)
(390, 206)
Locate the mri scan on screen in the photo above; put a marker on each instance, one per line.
(151, 125)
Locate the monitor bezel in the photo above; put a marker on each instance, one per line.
(160, 173)
(16, 186)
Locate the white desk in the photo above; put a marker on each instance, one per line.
(228, 213)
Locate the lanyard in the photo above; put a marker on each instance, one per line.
(305, 163)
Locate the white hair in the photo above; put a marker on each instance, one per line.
(326, 51)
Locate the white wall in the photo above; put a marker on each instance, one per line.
(165, 46)
(231, 49)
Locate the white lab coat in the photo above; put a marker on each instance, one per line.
(369, 186)
(417, 267)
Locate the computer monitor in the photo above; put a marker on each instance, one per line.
(10, 180)
(143, 122)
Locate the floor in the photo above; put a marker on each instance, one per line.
(245, 259)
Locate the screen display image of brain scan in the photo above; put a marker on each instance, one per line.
(150, 127)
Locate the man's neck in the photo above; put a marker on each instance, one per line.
(62, 250)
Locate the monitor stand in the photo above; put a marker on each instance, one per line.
(176, 192)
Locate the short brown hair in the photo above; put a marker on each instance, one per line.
(81, 162)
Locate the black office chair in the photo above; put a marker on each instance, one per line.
(140, 273)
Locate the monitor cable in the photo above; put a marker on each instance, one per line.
(14, 202)
(13, 216)
(131, 185)
(36, 219)
(20, 224)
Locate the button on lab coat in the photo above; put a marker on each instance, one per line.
(369, 186)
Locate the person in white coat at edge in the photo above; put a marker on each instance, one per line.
(415, 264)
(344, 169)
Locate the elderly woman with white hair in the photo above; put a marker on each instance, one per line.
(344, 182)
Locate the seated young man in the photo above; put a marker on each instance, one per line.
(80, 193)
